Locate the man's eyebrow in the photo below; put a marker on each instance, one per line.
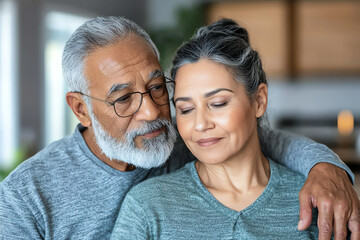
(206, 95)
(117, 87)
(152, 75)
(155, 74)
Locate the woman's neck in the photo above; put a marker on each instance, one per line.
(237, 182)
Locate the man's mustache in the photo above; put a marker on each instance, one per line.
(148, 127)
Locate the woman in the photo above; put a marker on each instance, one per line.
(233, 191)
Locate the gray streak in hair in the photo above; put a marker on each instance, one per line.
(227, 43)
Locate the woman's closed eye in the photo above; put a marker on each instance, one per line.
(219, 104)
(185, 111)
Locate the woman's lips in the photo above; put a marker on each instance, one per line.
(208, 142)
(153, 133)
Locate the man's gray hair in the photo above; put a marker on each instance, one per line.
(95, 33)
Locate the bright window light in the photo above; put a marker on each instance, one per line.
(8, 83)
(59, 120)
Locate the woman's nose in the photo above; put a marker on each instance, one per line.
(203, 121)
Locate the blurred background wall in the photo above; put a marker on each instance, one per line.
(310, 52)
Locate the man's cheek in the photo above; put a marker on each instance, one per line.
(165, 111)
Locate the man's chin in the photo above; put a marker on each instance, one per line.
(146, 164)
(148, 147)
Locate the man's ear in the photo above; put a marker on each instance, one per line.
(261, 100)
(79, 108)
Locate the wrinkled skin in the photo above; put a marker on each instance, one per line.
(329, 189)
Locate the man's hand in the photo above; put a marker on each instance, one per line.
(329, 189)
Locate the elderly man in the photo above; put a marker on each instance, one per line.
(74, 187)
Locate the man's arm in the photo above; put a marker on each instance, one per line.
(298, 153)
(16, 219)
(327, 187)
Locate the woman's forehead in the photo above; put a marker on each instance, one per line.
(204, 73)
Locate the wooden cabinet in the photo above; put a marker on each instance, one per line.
(299, 38)
(328, 36)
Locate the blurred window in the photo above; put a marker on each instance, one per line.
(59, 120)
(8, 83)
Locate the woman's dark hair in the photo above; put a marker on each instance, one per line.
(227, 43)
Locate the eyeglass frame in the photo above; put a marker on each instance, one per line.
(141, 99)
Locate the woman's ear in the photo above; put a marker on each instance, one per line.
(79, 108)
(261, 100)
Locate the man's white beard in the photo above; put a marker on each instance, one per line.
(153, 153)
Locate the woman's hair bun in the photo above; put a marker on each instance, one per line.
(226, 27)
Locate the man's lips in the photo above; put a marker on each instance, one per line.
(208, 142)
(153, 134)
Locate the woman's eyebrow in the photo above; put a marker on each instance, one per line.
(185, 99)
(206, 95)
(209, 94)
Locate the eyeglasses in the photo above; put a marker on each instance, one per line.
(128, 104)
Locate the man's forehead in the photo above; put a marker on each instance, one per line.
(122, 65)
(109, 66)
(119, 86)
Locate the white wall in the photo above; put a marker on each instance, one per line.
(314, 98)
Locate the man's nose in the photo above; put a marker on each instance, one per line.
(148, 111)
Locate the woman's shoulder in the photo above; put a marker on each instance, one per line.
(162, 186)
(287, 178)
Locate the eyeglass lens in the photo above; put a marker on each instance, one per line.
(128, 104)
